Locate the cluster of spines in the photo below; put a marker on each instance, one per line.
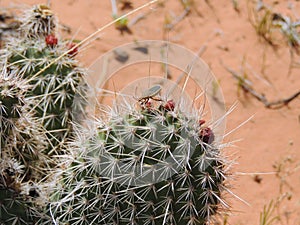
(151, 165)
(42, 88)
(38, 22)
(11, 103)
(22, 161)
(21, 136)
(58, 85)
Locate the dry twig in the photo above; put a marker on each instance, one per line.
(178, 19)
(246, 85)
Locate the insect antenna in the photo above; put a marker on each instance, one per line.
(149, 70)
(167, 74)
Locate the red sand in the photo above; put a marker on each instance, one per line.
(270, 138)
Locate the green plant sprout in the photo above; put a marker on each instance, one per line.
(266, 216)
(235, 4)
(291, 32)
(289, 29)
(122, 24)
(262, 21)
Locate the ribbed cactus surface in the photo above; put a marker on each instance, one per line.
(149, 163)
(58, 85)
(42, 90)
(22, 159)
(11, 103)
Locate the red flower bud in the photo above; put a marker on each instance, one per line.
(51, 40)
(170, 105)
(207, 135)
(74, 51)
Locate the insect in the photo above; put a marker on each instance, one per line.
(150, 94)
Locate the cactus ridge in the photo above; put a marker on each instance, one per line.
(57, 92)
(40, 99)
(146, 161)
(145, 164)
(22, 158)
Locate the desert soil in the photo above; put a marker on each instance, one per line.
(266, 154)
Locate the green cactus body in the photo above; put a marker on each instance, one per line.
(22, 159)
(148, 164)
(39, 98)
(56, 90)
(15, 207)
(11, 102)
(21, 137)
(57, 81)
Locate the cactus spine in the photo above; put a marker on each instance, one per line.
(22, 161)
(41, 91)
(57, 83)
(149, 163)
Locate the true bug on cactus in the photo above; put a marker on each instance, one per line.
(143, 165)
(58, 84)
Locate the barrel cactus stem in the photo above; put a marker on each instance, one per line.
(42, 94)
(152, 164)
(22, 158)
(58, 82)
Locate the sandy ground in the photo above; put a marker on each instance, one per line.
(269, 142)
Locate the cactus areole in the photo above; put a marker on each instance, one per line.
(42, 92)
(144, 165)
(58, 83)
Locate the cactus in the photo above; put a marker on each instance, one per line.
(22, 159)
(21, 136)
(11, 102)
(150, 162)
(41, 90)
(16, 206)
(57, 81)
